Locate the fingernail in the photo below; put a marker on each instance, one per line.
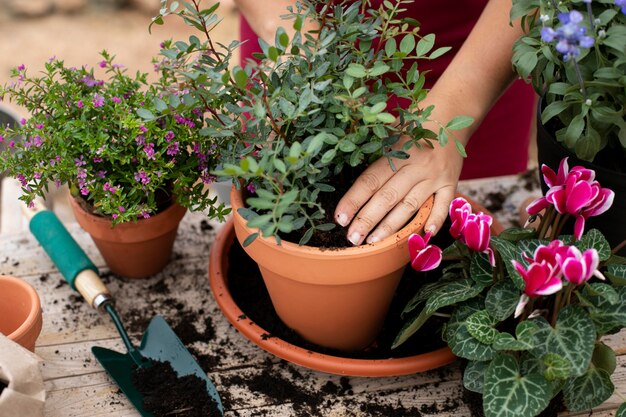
(431, 228)
(373, 239)
(342, 219)
(354, 238)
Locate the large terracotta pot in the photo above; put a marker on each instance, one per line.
(135, 249)
(611, 223)
(20, 311)
(333, 298)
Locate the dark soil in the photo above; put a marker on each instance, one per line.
(249, 292)
(166, 395)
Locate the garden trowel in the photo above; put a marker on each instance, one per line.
(159, 342)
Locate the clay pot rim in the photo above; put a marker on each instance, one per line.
(303, 357)
(35, 303)
(416, 225)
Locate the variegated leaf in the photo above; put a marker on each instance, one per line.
(588, 390)
(525, 338)
(481, 326)
(502, 299)
(474, 375)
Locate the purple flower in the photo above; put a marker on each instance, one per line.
(12, 144)
(140, 140)
(88, 80)
(114, 216)
(101, 174)
(22, 179)
(142, 177)
(97, 159)
(38, 141)
(121, 209)
(570, 36)
(39, 126)
(424, 257)
(116, 99)
(79, 162)
(169, 136)
(149, 150)
(108, 187)
(80, 104)
(142, 128)
(102, 64)
(98, 100)
(173, 149)
(622, 4)
(21, 67)
(1, 138)
(22, 121)
(251, 188)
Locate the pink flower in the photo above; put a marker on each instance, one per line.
(579, 267)
(472, 229)
(424, 257)
(540, 279)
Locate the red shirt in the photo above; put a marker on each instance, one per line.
(500, 145)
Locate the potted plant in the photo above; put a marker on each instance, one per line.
(314, 111)
(131, 159)
(573, 54)
(528, 309)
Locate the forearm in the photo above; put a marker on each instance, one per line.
(480, 72)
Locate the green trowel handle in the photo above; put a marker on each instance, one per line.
(70, 259)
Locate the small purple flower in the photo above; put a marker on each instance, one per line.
(142, 128)
(140, 140)
(79, 162)
(80, 104)
(570, 36)
(101, 174)
(22, 121)
(108, 187)
(149, 150)
(12, 144)
(97, 159)
(114, 216)
(173, 149)
(116, 99)
(22, 179)
(98, 100)
(142, 177)
(169, 136)
(84, 191)
(251, 188)
(622, 5)
(21, 67)
(37, 175)
(102, 64)
(38, 141)
(39, 126)
(118, 66)
(1, 138)
(88, 80)
(121, 209)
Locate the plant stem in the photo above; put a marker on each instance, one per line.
(579, 75)
(619, 247)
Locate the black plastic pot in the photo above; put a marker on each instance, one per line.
(612, 223)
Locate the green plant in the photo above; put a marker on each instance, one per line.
(117, 142)
(314, 108)
(527, 309)
(573, 52)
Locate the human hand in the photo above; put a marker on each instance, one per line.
(384, 200)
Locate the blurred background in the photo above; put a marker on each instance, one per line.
(32, 31)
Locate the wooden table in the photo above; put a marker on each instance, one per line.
(76, 385)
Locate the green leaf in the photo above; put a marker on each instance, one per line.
(596, 240)
(251, 238)
(508, 393)
(241, 78)
(515, 234)
(573, 338)
(621, 411)
(386, 117)
(356, 71)
(606, 315)
(460, 340)
(603, 290)
(425, 45)
(553, 109)
(574, 130)
(481, 326)
(588, 390)
(439, 52)
(616, 274)
(502, 299)
(145, 114)
(604, 358)
(524, 332)
(259, 221)
(508, 251)
(556, 367)
(407, 44)
(390, 47)
(474, 375)
(481, 270)
(459, 122)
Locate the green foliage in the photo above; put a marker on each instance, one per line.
(587, 93)
(314, 106)
(120, 142)
(520, 363)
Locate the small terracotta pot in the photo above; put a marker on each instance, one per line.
(333, 298)
(135, 249)
(20, 311)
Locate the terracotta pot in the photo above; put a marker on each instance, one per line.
(20, 311)
(333, 298)
(218, 278)
(135, 249)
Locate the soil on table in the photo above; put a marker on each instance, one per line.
(250, 294)
(165, 394)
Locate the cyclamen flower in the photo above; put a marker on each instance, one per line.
(472, 229)
(579, 267)
(424, 257)
(573, 192)
(570, 36)
(539, 279)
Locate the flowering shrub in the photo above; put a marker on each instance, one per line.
(530, 322)
(116, 141)
(315, 106)
(573, 51)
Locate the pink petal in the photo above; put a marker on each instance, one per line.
(602, 203)
(549, 176)
(579, 227)
(537, 206)
(583, 174)
(574, 271)
(580, 194)
(492, 257)
(416, 244)
(559, 199)
(553, 285)
(520, 305)
(563, 171)
(428, 259)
